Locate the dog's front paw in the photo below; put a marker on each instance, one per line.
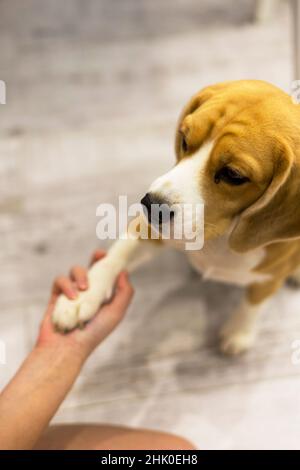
(234, 341)
(68, 314)
(237, 343)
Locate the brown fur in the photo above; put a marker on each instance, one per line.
(256, 130)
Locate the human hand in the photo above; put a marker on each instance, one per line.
(107, 318)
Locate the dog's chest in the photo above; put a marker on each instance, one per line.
(217, 261)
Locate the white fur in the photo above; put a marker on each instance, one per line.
(215, 261)
(182, 184)
(239, 332)
(102, 276)
(218, 262)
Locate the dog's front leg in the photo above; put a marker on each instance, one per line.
(239, 331)
(102, 276)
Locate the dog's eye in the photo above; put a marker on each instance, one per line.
(184, 145)
(230, 176)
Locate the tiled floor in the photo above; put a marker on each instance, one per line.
(90, 114)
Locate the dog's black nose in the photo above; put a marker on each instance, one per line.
(156, 209)
(147, 201)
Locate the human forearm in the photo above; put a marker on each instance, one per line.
(31, 399)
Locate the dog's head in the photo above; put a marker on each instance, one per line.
(238, 153)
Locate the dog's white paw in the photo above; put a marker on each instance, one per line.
(68, 314)
(234, 341)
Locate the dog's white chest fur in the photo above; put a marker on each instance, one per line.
(217, 261)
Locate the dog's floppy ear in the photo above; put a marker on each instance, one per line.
(275, 216)
(194, 104)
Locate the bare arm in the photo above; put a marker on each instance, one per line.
(33, 396)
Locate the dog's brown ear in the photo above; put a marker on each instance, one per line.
(194, 104)
(275, 216)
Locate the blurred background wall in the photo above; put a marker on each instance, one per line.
(94, 89)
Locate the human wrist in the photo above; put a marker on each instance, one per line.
(65, 352)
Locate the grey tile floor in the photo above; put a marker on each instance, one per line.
(90, 114)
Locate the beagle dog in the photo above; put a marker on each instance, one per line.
(237, 152)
